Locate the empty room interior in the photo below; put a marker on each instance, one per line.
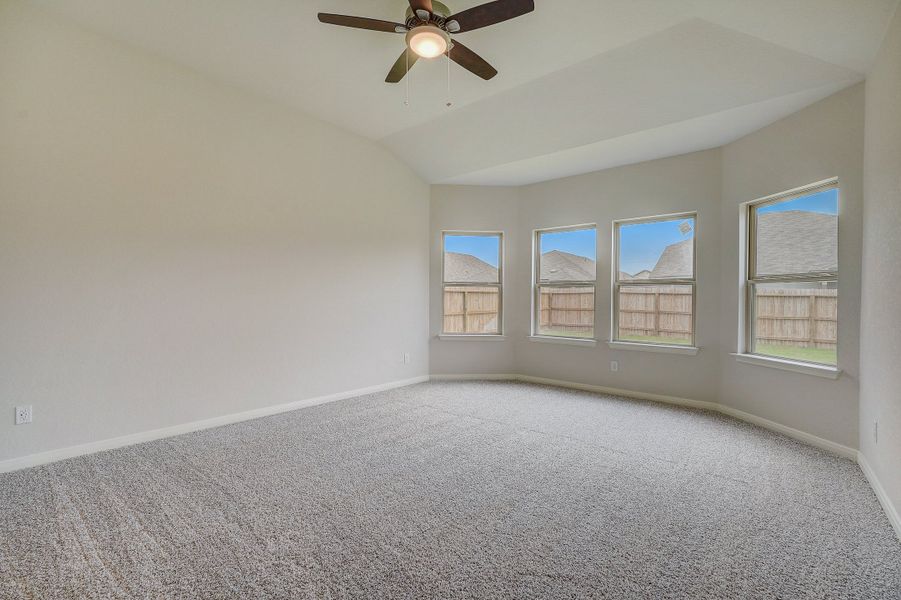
(415, 299)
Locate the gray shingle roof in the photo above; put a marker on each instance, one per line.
(645, 274)
(788, 242)
(793, 241)
(675, 261)
(557, 265)
(466, 268)
(796, 241)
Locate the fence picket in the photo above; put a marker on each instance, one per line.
(803, 318)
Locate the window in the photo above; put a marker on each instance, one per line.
(654, 282)
(473, 282)
(792, 275)
(565, 276)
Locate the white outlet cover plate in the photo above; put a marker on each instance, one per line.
(23, 415)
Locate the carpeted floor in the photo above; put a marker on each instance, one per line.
(453, 490)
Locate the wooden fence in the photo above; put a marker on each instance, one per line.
(567, 311)
(660, 311)
(788, 317)
(471, 309)
(801, 318)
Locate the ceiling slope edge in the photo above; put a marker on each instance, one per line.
(686, 72)
(693, 135)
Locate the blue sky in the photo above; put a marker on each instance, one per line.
(582, 242)
(641, 244)
(823, 202)
(484, 247)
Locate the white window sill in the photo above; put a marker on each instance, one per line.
(549, 339)
(661, 348)
(465, 337)
(789, 365)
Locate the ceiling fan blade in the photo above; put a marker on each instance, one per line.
(490, 13)
(471, 61)
(401, 66)
(362, 23)
(421, 5)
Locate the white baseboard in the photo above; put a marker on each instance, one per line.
(476, 377)
(50, 456)
(797, 434)
(619, 392)
(890, 511)
(41, 458)
(801, 436)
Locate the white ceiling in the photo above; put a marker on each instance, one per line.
(582, 84)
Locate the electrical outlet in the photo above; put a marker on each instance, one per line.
(406, 358)
(614, 366)
(876, 432)
(23, 414)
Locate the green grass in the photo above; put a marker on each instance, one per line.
(564, 333)
(817, 355)
(655, 339)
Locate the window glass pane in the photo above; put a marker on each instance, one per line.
(655, 314)
(796, 321)
(471, 309)
(566, 311)
(657, 249)
(567, 255)
(471, 258)
(799, 235)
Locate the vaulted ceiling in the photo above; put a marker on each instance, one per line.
(583, 84)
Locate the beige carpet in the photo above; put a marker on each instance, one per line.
(453, 490)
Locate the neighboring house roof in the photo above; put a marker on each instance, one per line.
(675, 261)
(793, 241)
(788, 242)
(796, 241)
(645, 274)
(466, 268)
(557, 265)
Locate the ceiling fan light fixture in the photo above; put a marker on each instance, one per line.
(429, 25)
(428, 41)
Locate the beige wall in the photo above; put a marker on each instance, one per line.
(169, 246)
(671, 185)
(682, 183)
(880, 353)
(822, 141)
(475, 209)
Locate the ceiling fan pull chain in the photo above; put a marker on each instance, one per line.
(447, 57)
(407, 78)
(427, 27)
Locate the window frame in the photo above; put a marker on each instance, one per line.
(537, 285)
(499, 285)
(751, 279)
(617, 283)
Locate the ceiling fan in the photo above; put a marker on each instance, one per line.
(428, 25)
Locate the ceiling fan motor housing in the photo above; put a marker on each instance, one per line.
(439, 15)
(428, 26)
